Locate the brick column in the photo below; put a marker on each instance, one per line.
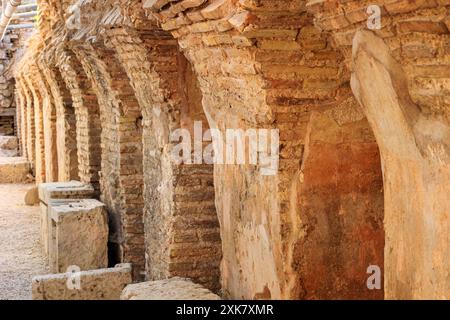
(38, 121)
(89, 126)
(66, 125)
(122, 179)
(31, 136)
(22, 109)
(312, 230)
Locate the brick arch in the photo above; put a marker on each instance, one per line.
(50, 134)
(182, 231)
(36, 98)
(88, 121)
(267, 66)
(121, 180)
(22, 107)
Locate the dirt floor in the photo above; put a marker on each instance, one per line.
(21, 256)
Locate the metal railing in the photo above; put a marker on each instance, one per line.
(25, 12)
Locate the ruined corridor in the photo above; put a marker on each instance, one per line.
(225, 149)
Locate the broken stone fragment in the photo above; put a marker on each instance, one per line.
(100, 284)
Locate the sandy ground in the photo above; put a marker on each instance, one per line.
(21, 256)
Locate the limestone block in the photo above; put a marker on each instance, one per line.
(59, 190)
(170, 289)
(78, 232)
(100, 284)
(14, 170)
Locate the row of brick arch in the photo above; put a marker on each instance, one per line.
(309, 232)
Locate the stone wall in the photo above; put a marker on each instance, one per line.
(115, 84)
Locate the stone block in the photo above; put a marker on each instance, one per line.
(78, 234)
(100, 284)
(59, 190)
(9, 143)
(170, 289)
(14, 170)
(65, 190)
(32, 197)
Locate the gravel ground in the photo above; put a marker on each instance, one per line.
(21, 256)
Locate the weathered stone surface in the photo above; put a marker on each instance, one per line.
(8, 143)
(78, 232)
(14, 169)
(120, 80)
(32, 197)
(65, 190)
(101, 284)
(171, 289)
(10, 44)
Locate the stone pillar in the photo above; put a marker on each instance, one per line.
(38, 123)
(415, 149)
(400, 73)
(66, 125)
(122, 178)
(89, 126)
(50, 129)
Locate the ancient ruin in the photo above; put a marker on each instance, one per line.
(234, 149)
